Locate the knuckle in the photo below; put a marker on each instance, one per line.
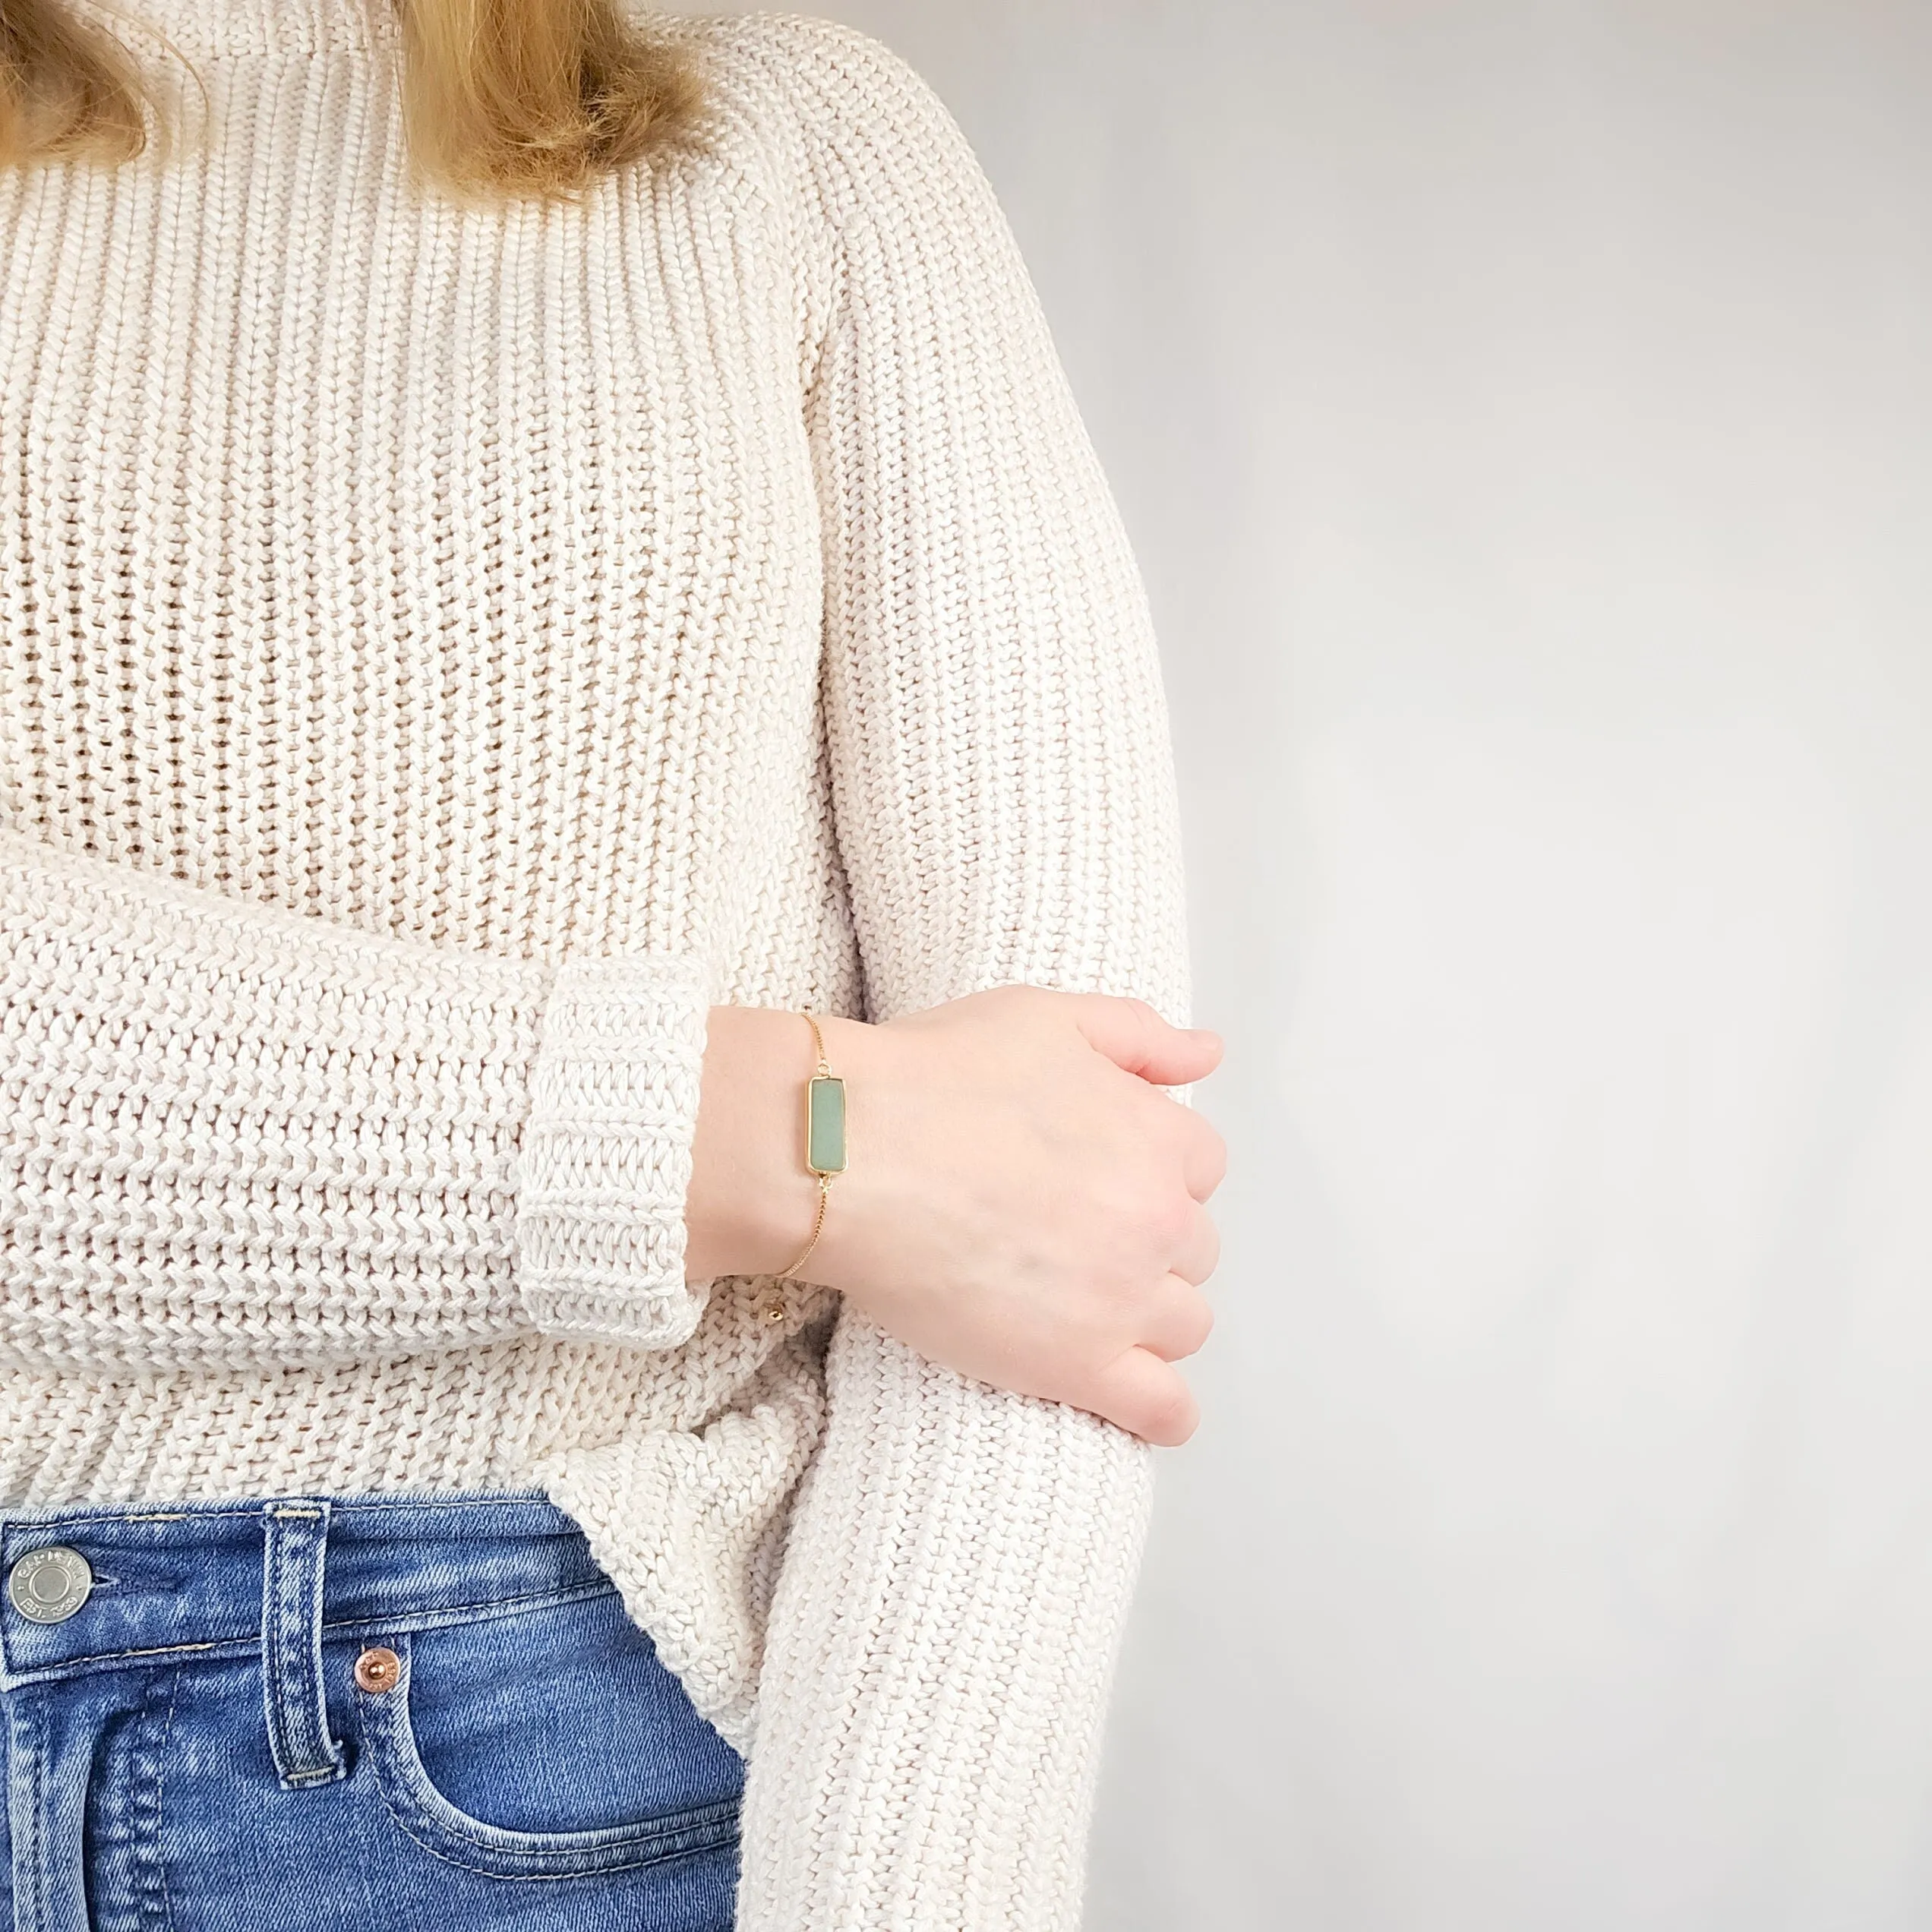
(1146, 1021)
(1149, 1235)
(1170, 1221)
(1202, 1150)
(1210, 1247)
(1170, 1413)
(1183, 1322)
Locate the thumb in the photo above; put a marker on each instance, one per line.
(1132, 1035)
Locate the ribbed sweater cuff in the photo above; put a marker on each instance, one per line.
(605, 1165)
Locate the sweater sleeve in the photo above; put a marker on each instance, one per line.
(960, 1560)
(233, 1135)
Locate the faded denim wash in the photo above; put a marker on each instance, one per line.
(193, 1748)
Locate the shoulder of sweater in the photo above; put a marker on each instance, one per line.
(836, 117)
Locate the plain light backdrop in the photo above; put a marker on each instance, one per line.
(1523, 415)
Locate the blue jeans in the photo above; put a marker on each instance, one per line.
(364, 1714)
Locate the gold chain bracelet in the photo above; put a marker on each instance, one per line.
(825, 1154)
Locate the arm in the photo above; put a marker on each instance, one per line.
(960, 1561)
(231, 1134)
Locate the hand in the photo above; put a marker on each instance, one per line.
(1022, 1203)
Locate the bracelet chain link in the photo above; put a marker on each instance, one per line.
(774, 1310)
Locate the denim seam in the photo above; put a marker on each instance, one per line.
(225, 1648)
(389, 1741)
(221, 1512)
(160, 1805)
(440, 1616)
(659, 1857)
(28, 1878)
(141, 1801)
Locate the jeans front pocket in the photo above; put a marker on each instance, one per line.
(548, 1744)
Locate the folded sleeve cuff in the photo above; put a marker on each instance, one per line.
(605, 1165)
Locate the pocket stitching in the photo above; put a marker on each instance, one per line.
(430, 1820)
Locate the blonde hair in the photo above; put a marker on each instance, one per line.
(501, 97)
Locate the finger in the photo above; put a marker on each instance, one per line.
(1134, 1036)
(1144, 1395)
(1200, 1252)
(1181, 1324)
(1204, 1152)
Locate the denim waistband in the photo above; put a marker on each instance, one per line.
(218, 1578)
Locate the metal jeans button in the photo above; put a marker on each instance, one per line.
(378, 1669)
(49, 1584)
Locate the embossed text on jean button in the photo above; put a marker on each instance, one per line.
(48, 1584)
(378, 1669)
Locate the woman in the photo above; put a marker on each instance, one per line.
(549, 568)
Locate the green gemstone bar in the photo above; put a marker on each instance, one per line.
(825, 1125)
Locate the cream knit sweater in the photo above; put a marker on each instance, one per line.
(446, 651)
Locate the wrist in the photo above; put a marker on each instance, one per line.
(752, 1200)
(862, 1055)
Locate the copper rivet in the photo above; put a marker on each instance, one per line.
(378, 1669)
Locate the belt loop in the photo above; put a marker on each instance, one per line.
(294, 1542)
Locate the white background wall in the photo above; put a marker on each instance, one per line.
(1522, 412)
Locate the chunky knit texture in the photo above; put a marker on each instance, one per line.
(446, 651)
